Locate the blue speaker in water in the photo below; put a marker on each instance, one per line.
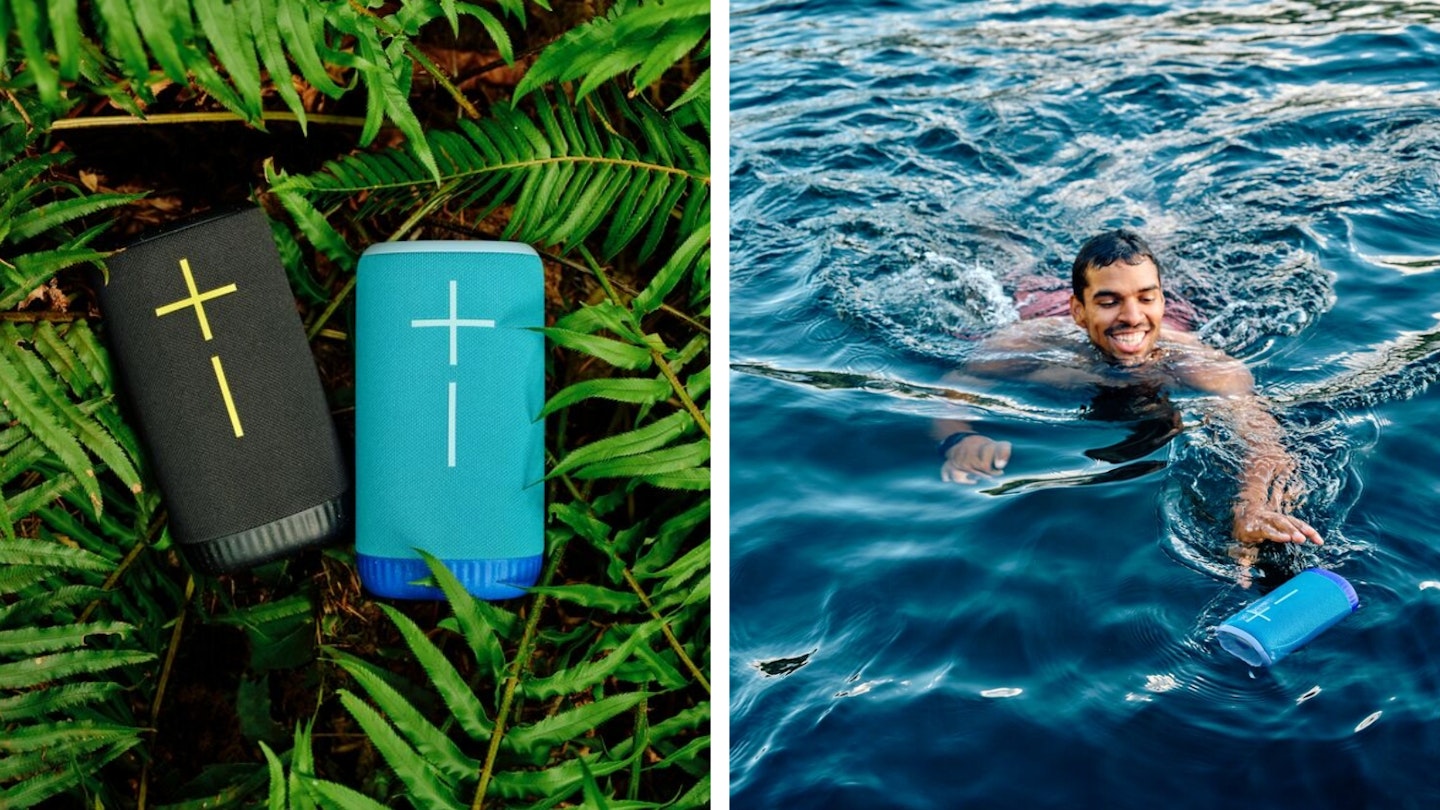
(449, 380)
(1288, 617)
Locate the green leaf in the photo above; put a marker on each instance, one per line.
(693, 480)
(302, 768)
(281, 633)
(505, 159)
(53, 667)
(535, 740)
(276, 771)
(339, 797)
(44, 785)
(33, 269)
(585, 676)
(685, 256)
(40, 219)
(463, 704)
(52, 735)
(51, 555)
(698, 94)
(300, 38)
(393, 99)
(318, 230)
(652, 35)
(654, 463)
(122, 38)
(57, 603)
(622, 355)
(37, 408)
(261, 17)
(559, 780)
(252, 707)
(56, 698)
(696, 797)
(36, 640)
(429, 741)
(230, 38)
(644, 391)
(593, 596)
(31, 27)
(426, 787)
(65, 24)
(478, 633)
(164, 41)
(642, 440)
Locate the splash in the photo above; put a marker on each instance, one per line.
(920, 301)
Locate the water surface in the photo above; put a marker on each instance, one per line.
(902, 171)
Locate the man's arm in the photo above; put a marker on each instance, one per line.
(1268, 482)
(965, 455)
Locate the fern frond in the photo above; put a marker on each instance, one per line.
(258, 44)
(53, 777)
(45, 408)
(38, 640)
(579, 679)
(565, 181)
(474, 619)
(641, 440)
(428, 740)
(560, 780)
(54, 699)
(424, 784)
(535, 740)
(644, 38)
(464, 705)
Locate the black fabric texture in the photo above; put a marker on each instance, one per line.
(287, 459)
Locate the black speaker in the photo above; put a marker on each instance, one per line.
(215, 366)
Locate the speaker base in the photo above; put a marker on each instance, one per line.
(280, 538)
(493, 580)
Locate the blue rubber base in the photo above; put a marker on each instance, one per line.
(395, 577)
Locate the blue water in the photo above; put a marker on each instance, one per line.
(900, 170)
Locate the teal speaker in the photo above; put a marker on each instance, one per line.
(449, 382)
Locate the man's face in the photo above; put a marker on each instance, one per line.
(1122, 310)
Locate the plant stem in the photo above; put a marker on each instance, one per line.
(665, 628)
(36, 317)
(104, 121)
(522, 655)
(659, 359)
(165, 679)
(129, 559)
(330, 310)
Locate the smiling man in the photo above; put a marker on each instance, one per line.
(1117, 300)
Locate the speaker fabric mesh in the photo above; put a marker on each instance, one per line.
(215, 364)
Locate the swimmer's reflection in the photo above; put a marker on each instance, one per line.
(1154, 421)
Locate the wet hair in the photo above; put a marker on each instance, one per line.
(1105, 249)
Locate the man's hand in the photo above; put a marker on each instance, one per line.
(1256, 523)
(972, 457)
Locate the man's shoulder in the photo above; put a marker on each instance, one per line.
(1033, 333)
(1203, 366)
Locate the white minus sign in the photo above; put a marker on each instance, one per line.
(450, 437)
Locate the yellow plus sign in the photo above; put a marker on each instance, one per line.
(197, 299)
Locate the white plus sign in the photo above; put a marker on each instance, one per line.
(1257, 613)
(453, 323)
